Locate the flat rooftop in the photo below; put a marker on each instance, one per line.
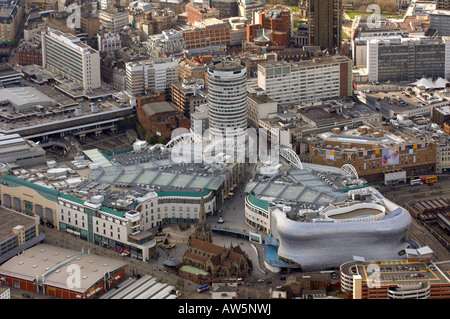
(62, 106)
(402, 272)
(52, 262)
(400, 102)
(10, 219)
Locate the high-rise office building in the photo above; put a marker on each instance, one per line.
(227, 99)
(440, 21)
(408, 59)
(325, 23)
(65, 54)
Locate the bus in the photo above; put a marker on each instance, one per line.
(415, 182)
(203, 288)
(429, 179)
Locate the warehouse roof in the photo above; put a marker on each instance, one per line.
(54, 264)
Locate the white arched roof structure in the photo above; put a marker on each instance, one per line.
(350, 169)
(223, 143)
(183, 139)
(292, 157)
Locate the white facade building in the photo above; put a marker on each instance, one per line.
(442, 158)
(227, 99)
(150, 75)
(167, 43)
(113, 21)
(306, 81)
(109, 42)
(105, 227)
(156, 208)
(66, 55)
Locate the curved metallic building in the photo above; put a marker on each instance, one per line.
(320, 245)
(319, 217)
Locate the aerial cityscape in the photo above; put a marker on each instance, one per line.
(224, 150)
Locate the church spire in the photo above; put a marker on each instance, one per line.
(202, 215)
(203, 231)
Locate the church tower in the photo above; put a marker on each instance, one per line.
(203, 231)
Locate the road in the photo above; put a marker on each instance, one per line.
(403, 193)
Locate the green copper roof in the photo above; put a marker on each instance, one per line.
(36, 187)
(206, 192)
(258, 202)
(12, 181)
(194, 270)
(71, 198)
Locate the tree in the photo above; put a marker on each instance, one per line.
(150, 138)
(162, 140)
(128, 122)
(141, 131)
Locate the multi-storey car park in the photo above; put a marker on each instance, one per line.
(40, 111)
(414, 278)
(317, 217)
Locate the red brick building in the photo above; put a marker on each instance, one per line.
(207, 32)
(161, 118)
(29, 54)
(196, 13)
(276, 24)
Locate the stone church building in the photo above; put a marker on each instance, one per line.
(218, 261)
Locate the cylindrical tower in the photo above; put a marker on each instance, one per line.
(227, 99)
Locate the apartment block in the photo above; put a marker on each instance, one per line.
(306, 82)
(11, 15)
(188, 94)
(150, 76)
(325, 23)
(65, 54)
